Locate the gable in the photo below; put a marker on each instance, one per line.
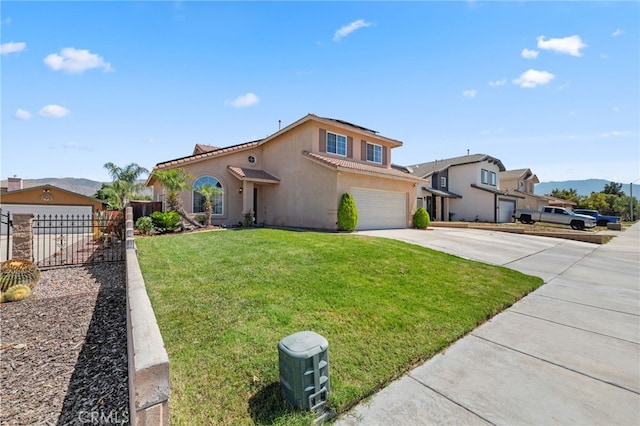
(49, 195)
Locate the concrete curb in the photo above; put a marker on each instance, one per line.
(567, 235)
(148, 362)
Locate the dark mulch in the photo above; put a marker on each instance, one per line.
(63, 352)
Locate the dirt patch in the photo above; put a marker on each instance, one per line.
(63, 352)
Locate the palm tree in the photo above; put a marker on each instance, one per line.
(208, 191)
(175, 181)
(125, 181)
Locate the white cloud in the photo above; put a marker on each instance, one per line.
(529, 54)
(349, 28)
(604, 56)
(54, 111)
(21, 114)
(498, 83)
(533, 78)
(12, 47)
(618, 32)
(471, 93)
(245, 100)
(76, 61)
(6, 21)
(569, 45)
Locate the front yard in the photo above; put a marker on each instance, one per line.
(224, 299)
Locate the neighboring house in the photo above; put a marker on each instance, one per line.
(558, 202)
(296, 177)
(464, 188)
(522, 182)
(46, 200)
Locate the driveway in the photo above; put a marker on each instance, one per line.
(568, 353)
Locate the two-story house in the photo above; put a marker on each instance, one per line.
(522, 182)
(464, 188)
(296, 177)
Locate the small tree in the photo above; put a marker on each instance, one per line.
(125, 183)
(175, 181)
(421, 219)
(347, 213)
(208, 191)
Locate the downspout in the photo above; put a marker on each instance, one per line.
(496, 206)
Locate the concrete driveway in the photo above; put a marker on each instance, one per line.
(568, 353)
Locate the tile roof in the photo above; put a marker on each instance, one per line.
(441, 193)
(205, 155)
(252, 174)
(346, 123)
(426, 169)
(503, 192)
(202, 148)
(340, 164)
(518, 173)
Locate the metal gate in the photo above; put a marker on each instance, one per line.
(63, 240)
(5, 235)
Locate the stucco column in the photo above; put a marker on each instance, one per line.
(23, 236)
(247, 198)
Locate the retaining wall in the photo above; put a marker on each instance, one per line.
(148, 360)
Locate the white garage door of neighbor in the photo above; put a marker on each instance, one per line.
(45, 210)
(505, 210)
(380, 209)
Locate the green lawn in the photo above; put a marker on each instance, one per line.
(225, 299)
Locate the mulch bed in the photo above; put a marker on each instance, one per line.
(63, 352)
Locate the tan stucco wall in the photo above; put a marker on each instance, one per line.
(529, 201)
(59, 197)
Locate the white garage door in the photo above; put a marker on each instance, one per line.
(47, 210)
(505, 210)
(380, 209)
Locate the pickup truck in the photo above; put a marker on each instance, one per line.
(555, 215)
(601, 220)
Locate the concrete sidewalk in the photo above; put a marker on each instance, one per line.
(569, 353)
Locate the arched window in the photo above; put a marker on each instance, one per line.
(217, 199)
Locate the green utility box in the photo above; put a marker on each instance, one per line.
(304, 370)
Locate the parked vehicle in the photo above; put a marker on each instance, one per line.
(601, 220)
(555, 215)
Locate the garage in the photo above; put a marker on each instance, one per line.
(505, 210)
(380, 209)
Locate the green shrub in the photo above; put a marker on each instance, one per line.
(421, 219)
(17, 293)
(144, 224)
(166, 221)
(347, 213)
(15, 272)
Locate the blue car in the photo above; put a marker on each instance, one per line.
(601, 220)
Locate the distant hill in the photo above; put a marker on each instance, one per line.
(80, 186)
(582, 187)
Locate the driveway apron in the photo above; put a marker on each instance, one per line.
(568, 353)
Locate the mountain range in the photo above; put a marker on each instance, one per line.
(90, 187)
(80, 186)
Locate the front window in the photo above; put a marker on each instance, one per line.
(374, 153)
(217, 199)
(487, 177)
(443, 182)
(337, 144)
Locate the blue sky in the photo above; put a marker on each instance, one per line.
(552, 86)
